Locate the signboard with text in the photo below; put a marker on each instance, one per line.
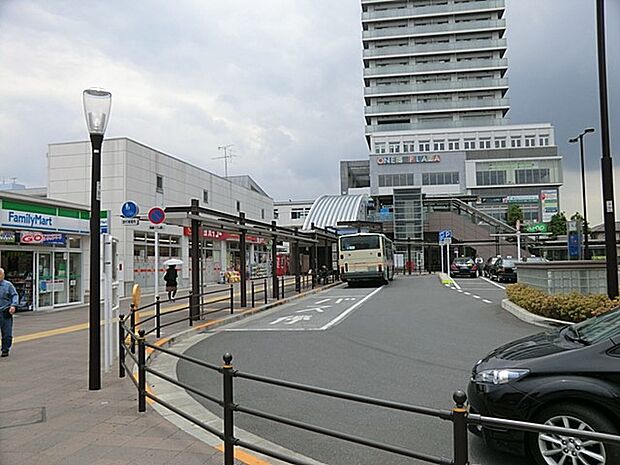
(549, 204)
(223, 236)
(408, 159)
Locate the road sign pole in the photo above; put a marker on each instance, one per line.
(156, 263)
(442, 259)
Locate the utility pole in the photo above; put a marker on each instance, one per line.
(227, 155)
(611, 254)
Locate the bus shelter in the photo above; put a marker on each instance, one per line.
(197, 217)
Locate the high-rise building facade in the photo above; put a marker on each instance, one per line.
(434, 64)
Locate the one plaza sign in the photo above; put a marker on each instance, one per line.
(408, 159)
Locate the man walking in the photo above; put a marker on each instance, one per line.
(8, 301)
(479, 264)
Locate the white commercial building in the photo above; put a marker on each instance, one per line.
(133, 171)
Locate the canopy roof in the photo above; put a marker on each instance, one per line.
(329, 210)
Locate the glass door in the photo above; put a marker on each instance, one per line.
(60, 278)
(75, 277)
(44, 280)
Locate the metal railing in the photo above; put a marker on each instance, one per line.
(459, 416)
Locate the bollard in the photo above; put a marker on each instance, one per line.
(141, 372)
(253, 300)
(121, 346)
(459, 424)
(232, 296)
(133, 328)
(158, 316)
(265, 291)
(229, 429)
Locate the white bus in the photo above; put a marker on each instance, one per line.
(365, 257)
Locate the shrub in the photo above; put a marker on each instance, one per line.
(572, 307)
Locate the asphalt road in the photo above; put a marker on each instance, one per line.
(413, 341)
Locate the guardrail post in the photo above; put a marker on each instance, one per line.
(253, 299)
(459, 424)
(265, 291)
(132, 322)
(190, 304)
(121, 346)
(141, 372)
(232, 301)
(158, 316)
(229, 429)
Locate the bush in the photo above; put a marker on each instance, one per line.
(572, 307)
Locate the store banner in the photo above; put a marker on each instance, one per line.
(7, 237)
(549, 204)
(33, 237)
(224, 236)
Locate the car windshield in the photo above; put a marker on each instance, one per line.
(463, 261)
(599, 328)
(359, 243)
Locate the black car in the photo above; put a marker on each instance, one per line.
(463, 266)
(489, 266)
(568, 377)
(505, 270)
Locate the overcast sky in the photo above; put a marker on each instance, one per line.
(279, 79)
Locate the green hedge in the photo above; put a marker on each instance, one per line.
(572, 307)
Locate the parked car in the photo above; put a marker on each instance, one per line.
(565, 377)
(489, 266)
(464, 266)
(504, 270)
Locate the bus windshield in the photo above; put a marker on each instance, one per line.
(359, 243)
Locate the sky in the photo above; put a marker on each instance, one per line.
(281, 80)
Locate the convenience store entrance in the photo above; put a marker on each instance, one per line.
(19, 270)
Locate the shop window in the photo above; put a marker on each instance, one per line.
(159, 183)
(75, 242)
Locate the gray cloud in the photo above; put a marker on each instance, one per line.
(281, 80)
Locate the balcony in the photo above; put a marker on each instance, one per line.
(447, 86)
(373, 128)
(453, 47)
(424, 68)
(436, 105)
(449, 8)
(410, 31)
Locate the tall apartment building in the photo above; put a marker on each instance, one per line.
(434, 64)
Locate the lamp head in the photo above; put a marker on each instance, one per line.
(573, 140)
(587, 130)
(97, 104)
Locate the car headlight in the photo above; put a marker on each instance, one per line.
(500, 376)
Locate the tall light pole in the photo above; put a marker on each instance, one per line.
(97, 104)
(579, 138)
(609, 215)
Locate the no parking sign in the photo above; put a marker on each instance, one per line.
(157, 215)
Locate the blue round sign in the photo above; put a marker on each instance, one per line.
(156, 215)
(129, 209)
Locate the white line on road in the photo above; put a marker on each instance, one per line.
(339, 300)
(344, 314)
(467, 293)
(459, 290)
(456, 284)
(491, 282)
(476, 296)
(322, 301)
(486, 301)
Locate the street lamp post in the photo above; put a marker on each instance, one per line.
(97, 103)
(611, 254)
(579, 138)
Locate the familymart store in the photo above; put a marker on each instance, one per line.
(42, 250)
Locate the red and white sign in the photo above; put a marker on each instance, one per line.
(224, 236)
(32, 238)
(157, 215)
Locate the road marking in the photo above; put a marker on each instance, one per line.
(476, 296)
(467, 293)
(322, 301)
(459, 290)
(447, 285)
(486, 301)
(339, 300)
(491, 282)
(344, 314)
(244, 457)
(456, 284)
(318, 309)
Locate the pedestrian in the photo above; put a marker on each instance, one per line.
(479, 262)
(8, 303)
(171, 281)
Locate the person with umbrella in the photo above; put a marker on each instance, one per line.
(171, 277)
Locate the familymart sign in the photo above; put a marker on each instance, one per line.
(39, 217)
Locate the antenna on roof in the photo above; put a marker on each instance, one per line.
(227, 156)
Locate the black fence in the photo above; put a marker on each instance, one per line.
(459, 416)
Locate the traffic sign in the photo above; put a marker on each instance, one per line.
(157, 215)
(131, 221)
(130, 209)
(445, 237)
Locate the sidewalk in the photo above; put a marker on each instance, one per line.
(48, 415)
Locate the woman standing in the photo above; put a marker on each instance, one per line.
(171, 281)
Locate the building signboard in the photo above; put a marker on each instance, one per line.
(34, 237)
(224, 236)
(408, 159)
(536, 228)
(43, 222)
(7, 237)
(522, 199)
(549, 204)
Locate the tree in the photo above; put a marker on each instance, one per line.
(557, 225)
(513, 214)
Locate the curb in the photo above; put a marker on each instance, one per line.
(532, 318)
(445, 278)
